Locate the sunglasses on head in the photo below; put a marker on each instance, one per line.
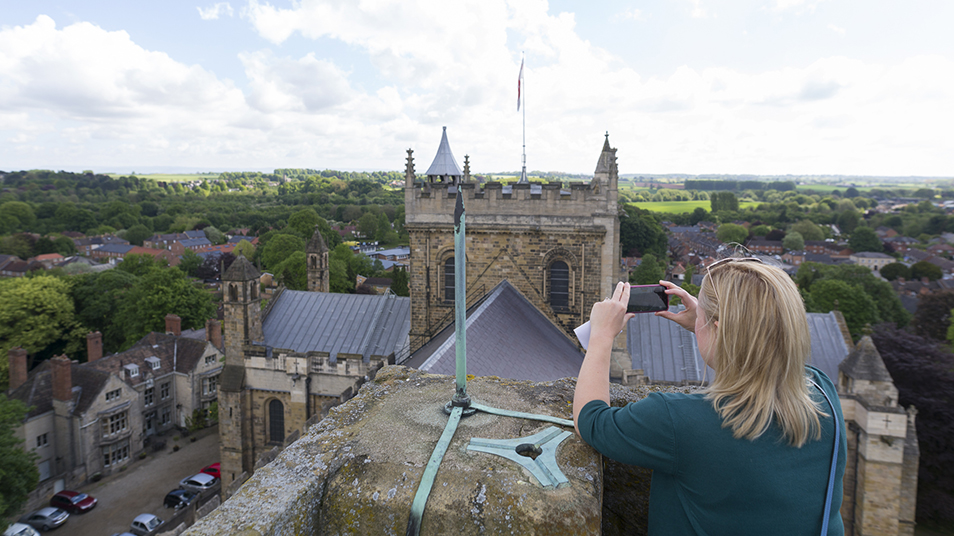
(732, 259)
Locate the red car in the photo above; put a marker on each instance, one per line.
(73, 502)
(212, 470)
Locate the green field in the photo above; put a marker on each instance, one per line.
(165, 177)
(678, 207)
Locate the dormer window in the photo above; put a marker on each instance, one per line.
(131, 370)
(153, 362)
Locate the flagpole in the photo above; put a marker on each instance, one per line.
(523, 90)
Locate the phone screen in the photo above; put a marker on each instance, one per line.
(647, 299)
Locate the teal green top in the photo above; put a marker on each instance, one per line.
(707, 482)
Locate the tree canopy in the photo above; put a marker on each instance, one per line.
(731, 232)
(649, 272)
(18, 470)
(865, 239)
(158, 293)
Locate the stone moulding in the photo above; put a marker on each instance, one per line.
(357, 470)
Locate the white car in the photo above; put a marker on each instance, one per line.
(198, 482)
(19, 529)
(145, 525)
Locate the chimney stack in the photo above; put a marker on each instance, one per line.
(18, 367)
(213, 332)
(62, 378)
(173, 324)
(94, 346)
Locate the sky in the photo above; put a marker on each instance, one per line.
(770, 87)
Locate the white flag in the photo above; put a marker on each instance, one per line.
(519, 81)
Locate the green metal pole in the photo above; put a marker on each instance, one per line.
(460, 300)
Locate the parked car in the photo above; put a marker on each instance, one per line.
(178, 498)
(19, 529)
(198, 482)
(145, 525)
(46, 518)
(73, 502)
(213, 470)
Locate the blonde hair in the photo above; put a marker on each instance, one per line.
(760, 347)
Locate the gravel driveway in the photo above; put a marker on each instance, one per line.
(142, 487)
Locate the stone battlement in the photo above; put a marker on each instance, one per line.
(356, 472)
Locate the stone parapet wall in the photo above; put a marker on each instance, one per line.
(357, 470)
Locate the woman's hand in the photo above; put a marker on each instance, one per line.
(609, 317)
(687, 317)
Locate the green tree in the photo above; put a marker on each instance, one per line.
(649, 271)
(214, 235)
(848, 220)
(865, 239)
(760, 230)
(95, 296)
(279, 248)
(37, 313)
(338, 276)
(293, 272)
(368, 226)
(857, 307)
(64, 246)
(137, 234)
(21, 212)
(190, 262)
(244, 248)
(160, 292)
(303, 222)
(18, 470)
(723, 201)
(731, 232)
(641, 234)
(895, 270)
(399, 282)
(808, 230)
(140, 265)
(925, 269)
(793, 241)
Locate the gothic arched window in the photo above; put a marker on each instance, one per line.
(276, 421)
(559, 284)
(449, 279)
(233, 292)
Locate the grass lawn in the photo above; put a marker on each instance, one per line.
(678, 207)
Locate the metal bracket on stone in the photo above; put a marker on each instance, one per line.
(536, 453)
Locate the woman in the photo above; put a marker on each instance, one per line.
(753, 452)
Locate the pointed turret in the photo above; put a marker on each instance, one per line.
(444, 167)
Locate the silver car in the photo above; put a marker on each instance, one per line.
(198, 482)
(46, 518)
(145, 525)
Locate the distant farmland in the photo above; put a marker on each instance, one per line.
(166, 177)
(678, 207)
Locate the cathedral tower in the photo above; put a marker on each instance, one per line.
(317, 255)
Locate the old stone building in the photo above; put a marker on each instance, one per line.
(881, 477)
(317, 259)
(558, 247)
(288, 364)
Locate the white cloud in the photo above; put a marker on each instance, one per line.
(799, 6)
(85, 94)
(213, 13)
(630, 14)
(836, 29)
(698, 12)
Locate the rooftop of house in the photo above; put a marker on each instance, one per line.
(37, 392)
(181, 354)
(366, 325)
(507, 337)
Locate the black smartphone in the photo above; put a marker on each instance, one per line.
(647, 299)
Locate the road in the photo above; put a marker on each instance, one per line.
(142, 487)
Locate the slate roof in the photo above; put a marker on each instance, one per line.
(241, 270)
(37, 392)
(181, 353)
(317, 243)
(444, 163)
(115, 248)
(192, 242)
(865, 363)
(668, 353)
(507, 337)
(367, 325)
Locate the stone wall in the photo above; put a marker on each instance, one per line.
(356, 471)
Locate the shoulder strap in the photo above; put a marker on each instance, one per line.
(834, 459)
